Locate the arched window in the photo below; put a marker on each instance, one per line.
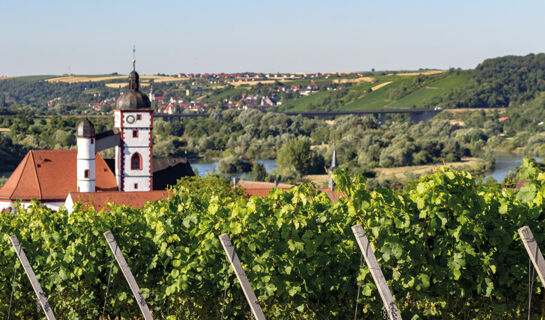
(136, 161)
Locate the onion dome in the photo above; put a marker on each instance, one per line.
(133, 99)
(85, 129)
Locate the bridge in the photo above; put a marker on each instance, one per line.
(417, 115)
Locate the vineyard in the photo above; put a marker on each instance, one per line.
(448, 247)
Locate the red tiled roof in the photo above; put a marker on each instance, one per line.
(262, 189)
(262, 185)
(49, 175)
(135, 199)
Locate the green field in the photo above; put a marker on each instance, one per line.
(34, 78)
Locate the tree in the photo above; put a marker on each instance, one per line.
(296, 156)
(258, 172)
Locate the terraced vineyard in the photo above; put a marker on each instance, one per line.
(385, 92)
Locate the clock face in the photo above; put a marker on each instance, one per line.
(130, 119)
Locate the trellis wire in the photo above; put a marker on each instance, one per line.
(12, 287)
(225, 290)
(531, 275)
(107, 288)
(359, 289)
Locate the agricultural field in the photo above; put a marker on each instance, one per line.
(100, 78)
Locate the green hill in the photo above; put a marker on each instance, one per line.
(390, 91)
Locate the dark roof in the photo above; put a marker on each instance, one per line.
(106, 134)
(133, 99)
(163, 163)
(166, 171)
(85, 129)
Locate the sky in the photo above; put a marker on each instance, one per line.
(97, 37)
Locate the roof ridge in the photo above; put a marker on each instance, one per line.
(22, 170)
(36, 175)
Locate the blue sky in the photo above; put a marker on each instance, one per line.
(93, 37)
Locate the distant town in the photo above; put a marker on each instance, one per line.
(191, 92)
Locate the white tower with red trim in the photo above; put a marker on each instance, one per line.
(133, 120)
(85, 163)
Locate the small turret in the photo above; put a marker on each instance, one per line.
(85, 137)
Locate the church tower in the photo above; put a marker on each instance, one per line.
(133, 120)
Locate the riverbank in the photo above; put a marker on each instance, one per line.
(402, 173)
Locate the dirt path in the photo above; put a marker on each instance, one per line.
(381, 85)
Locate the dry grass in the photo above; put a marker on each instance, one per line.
(400, 172)
(457, 122)
(5, 78)
(486, 110)
(319, 179)
(117, 85)
(357, 80)
(77, 79)
(381, 85)
(424, 73)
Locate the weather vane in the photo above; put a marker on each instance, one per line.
(133, 58)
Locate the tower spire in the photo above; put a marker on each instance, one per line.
(133, 58)
(333, 167)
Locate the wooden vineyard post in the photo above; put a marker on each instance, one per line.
(128, 275)
(241, 276)
(42, 299)
(533, 250)
(374, 268)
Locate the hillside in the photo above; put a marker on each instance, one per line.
(495, 83)
(405, 91)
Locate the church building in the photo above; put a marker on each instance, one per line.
(58, 178)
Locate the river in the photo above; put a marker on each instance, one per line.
(506, 163)
(207, 167)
